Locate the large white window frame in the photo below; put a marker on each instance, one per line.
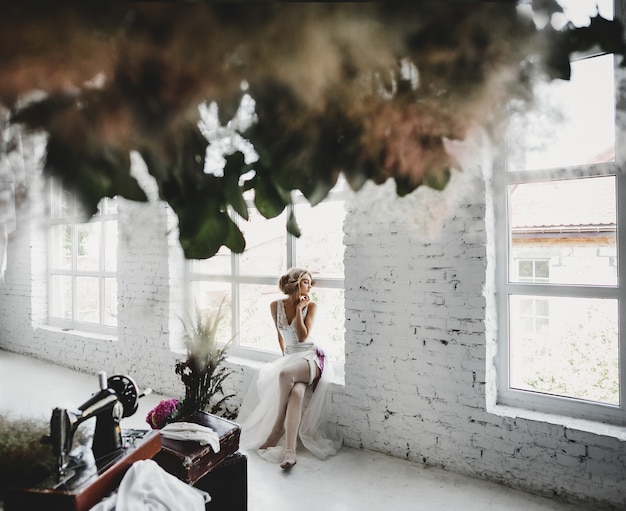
(95, 311)
(508, 287)
(235, 279)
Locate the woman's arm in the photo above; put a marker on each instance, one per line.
(304, 325)
(273, 309)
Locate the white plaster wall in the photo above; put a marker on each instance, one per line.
(419, 339)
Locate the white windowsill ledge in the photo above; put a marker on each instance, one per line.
(78, 333)
(588, 426)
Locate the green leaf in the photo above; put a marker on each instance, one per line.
(318, 190)
(207, 240)
(292, 225)
(404, 186)
(235, 240)
(267, 198)
(103, 171)
(437, 178)
(232, 190)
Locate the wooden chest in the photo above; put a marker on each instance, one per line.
(89, 480)
(190, 461)
(227, 484)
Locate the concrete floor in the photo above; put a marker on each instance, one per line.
(352, 480)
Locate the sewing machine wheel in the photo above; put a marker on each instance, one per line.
(127, 392)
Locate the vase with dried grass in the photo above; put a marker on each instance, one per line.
(204, 371)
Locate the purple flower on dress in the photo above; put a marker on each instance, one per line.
(163, 413)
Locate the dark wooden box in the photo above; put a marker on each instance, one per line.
(227, 484)
(188, 460)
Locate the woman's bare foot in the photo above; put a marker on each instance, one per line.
(273, 439)
(290, 459)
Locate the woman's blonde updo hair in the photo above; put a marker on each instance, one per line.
(290, 282)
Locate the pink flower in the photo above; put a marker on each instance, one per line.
(163, 413)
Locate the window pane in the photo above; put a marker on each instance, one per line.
(60, 296)
(208, 297)
(320, 247)
(571, 224)
(572, 352)
(110, 245)
(110, 302)
(257, 326)
(88, 249)
(219, 264)
(557, 132)
(258, 330)
(542, 271)
(525, 270)
(61, 247)
(88, 299)
(266, 242)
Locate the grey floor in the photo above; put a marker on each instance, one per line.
(352, 480)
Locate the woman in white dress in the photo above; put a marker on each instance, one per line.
(271, 416)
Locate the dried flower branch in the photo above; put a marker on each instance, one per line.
(204, 372)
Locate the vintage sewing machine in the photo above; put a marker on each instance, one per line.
(86, 475)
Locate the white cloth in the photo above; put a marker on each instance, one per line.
(193, 432)
(259, 409)
(147, 487)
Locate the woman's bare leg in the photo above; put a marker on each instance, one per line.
(298, 372)
(293, 417)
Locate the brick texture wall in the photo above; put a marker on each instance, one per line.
(419, 339)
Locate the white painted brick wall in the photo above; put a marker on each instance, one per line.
(417, 348)
(417, 352)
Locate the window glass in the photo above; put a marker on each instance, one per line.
(61, 247)
(320, 248)
(565, 346)
(563, 231)
(88, 246)
(556, 132)
(60, 294)
(265, 252)
(210, 300)
(219, 264)
(82, 265)
(88, 299)
(257, 329)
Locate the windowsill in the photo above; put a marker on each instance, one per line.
(79, 333)
(338, 378)
(588, 426)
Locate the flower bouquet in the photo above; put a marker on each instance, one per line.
(162, 414)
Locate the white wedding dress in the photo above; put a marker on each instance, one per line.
(260, 405)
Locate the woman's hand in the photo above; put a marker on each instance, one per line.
(303, 301)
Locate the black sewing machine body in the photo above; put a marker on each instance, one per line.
(108, 406)
(86, 474)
